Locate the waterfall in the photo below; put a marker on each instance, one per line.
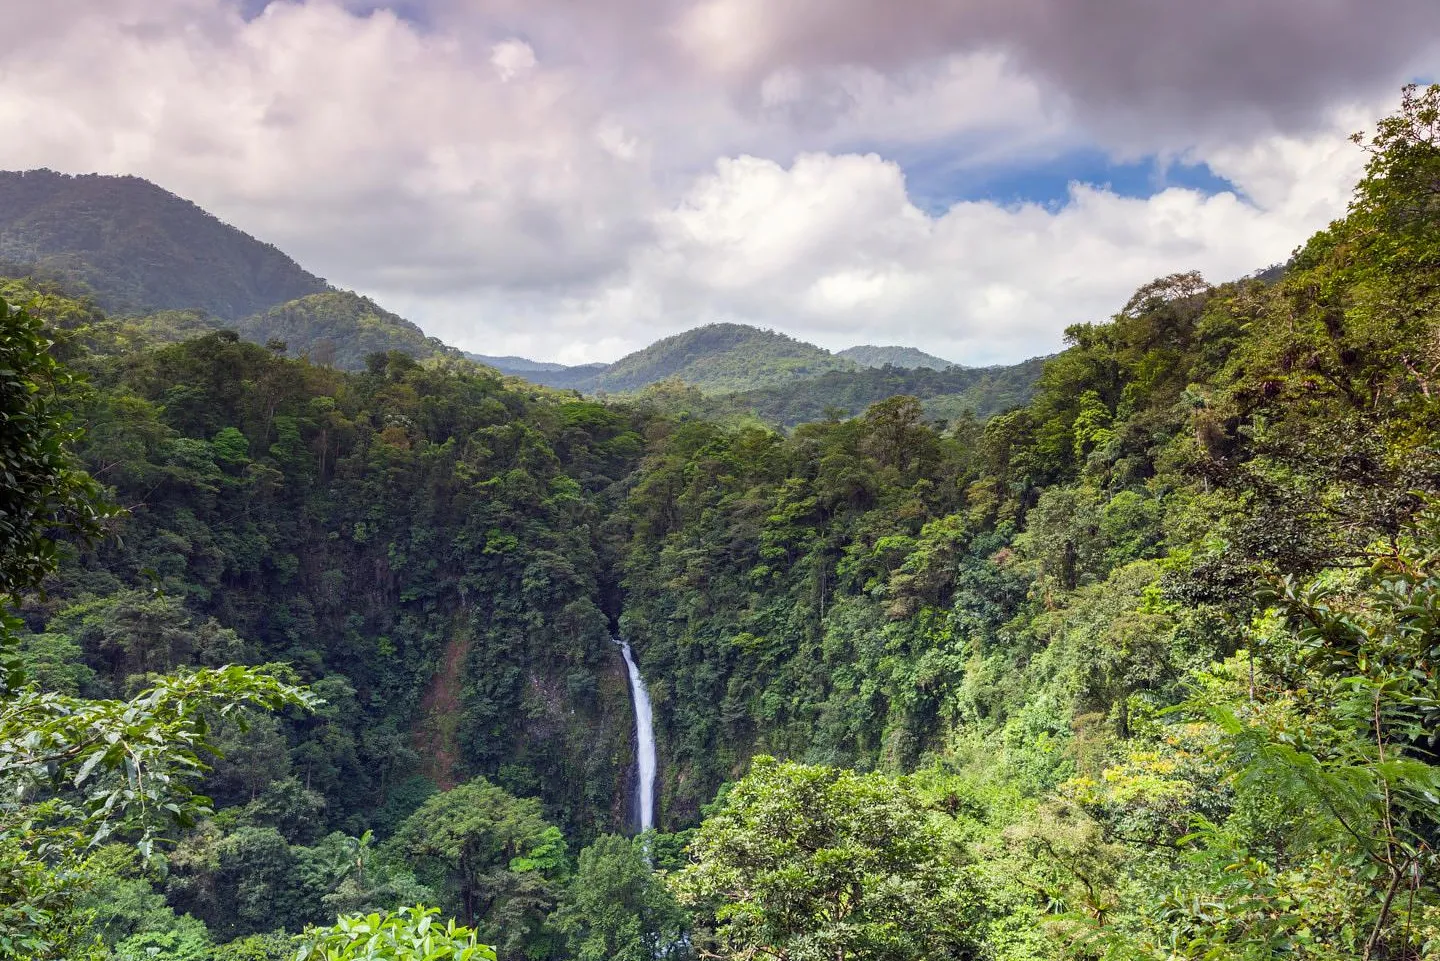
(644, 741)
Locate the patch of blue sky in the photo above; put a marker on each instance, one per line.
(410, 10)
(936, 183)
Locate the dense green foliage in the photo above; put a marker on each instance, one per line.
(1017, 602)
(618, 909)
(492, 856)
(339, 329)
(74, 772)
(947, 394)
(411, 935)
(139, 248)
(731, 373)
(1143, 668)
(431, 626)
(368, 529)
(813, 863)
(41, 489)
(868, 355)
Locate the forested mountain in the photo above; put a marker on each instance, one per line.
(729, 371)
(340, 328)
(142, 251)
(138, 248)
(947, 394)
(794, 395)
(716, 358)
(1143, 669)
(909, 358)
(719, 357)
(511, 364)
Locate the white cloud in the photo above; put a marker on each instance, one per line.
(376, 153)
(520, 179)
(512, 59)
(833, 246)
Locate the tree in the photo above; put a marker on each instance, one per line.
(410, 934)
(1346, 743)
(44, 490)
(618, 909)
(493, 854)
(76, 772)
(896, 435)
(804, 863)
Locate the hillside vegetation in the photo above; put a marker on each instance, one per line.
(716, 358)
(946, 394)
(732, 372)
(138, 248)
(340, 328)
(1144, 669)
(909, 358)
(175, 270)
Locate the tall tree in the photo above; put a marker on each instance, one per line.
(805, 863)
(618, 909)
(494, 855)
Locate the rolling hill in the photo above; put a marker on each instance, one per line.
(511, 364)
(717, 358)
(173, 269)
(137, 248)
(340, 328)
(868, 355)
(721, 357)
(946, 394)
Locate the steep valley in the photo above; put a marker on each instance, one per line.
(1129, 655)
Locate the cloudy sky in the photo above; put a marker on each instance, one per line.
(571, 179)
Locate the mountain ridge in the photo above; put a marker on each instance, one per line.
(137, 247)
(717, 358)
(139, 250)
(894, 355)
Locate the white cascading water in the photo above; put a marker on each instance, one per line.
(644, 740)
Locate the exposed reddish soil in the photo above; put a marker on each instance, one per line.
(434, 735)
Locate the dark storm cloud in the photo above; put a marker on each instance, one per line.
(1168, 63)
(1175, 61)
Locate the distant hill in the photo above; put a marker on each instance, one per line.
(519, 365)
(721, 357)
(946, 393)
(340, 328)
(137, 248)
(781, 380)
(868, 355)
(718, 358)
(140, 251)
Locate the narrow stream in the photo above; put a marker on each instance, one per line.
(644, 741)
